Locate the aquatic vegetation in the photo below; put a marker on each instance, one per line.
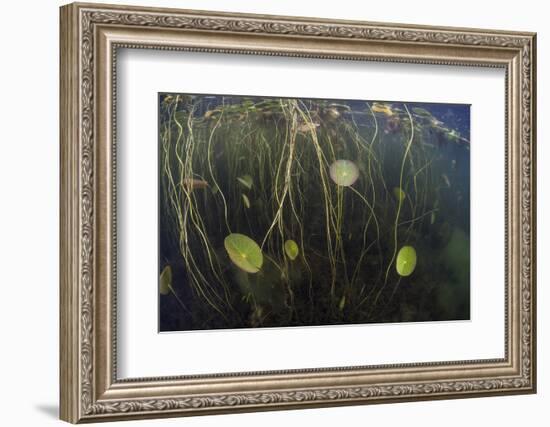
(278, 211)
(246, 201)
(332, 113)
(344, 172)
(165, 286)
(406, 261)
(291, 249)
(342, 303)
(393, 124)
(263, 289)
(165, 282)
(244, 252)
(246, 180)
(399, 194)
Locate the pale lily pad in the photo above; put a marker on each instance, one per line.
(399, 194)
(244, 252)
(291, 249)
(344, 172)
(246, 181)
(165, 282)
(406, 261)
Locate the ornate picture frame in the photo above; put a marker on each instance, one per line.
(90, 37)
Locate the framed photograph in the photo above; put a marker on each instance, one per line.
(266, 212)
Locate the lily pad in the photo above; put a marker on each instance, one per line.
(291, 249)
(406, 261)
(246, 181)
(244, 252)
(165, 282)
(344, 172)
(399, 194)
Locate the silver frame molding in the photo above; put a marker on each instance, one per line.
(90, 37)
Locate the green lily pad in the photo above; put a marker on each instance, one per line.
(399, 194)
(165, 282)
(246, 181)
(406, 261)
(244, 252)
(291, 249)
(344, 172)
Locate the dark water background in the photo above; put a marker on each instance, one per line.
(302, 292)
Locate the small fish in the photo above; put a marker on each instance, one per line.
(194, 184)
(340, 106)
(307, 127)
(382, 108)
(332, 113)
(453, 164)
(432, 218)
(210, 114)
(446, 179)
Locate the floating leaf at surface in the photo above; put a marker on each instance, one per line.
(399, 194)
(291, 249)
(244, 252)
(165, 282)
(344, 172)
(406, 261)
(246, 181)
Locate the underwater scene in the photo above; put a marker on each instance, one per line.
(278, 212)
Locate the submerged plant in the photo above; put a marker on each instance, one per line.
(406, 261)
(399, 194)
(246, 181)
(165, 285)
(244, 252)
(315, 243)
(344, 172)
(246, 201)
(291, 249)
(165, 282)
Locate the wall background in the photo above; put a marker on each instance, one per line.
(29, 170)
